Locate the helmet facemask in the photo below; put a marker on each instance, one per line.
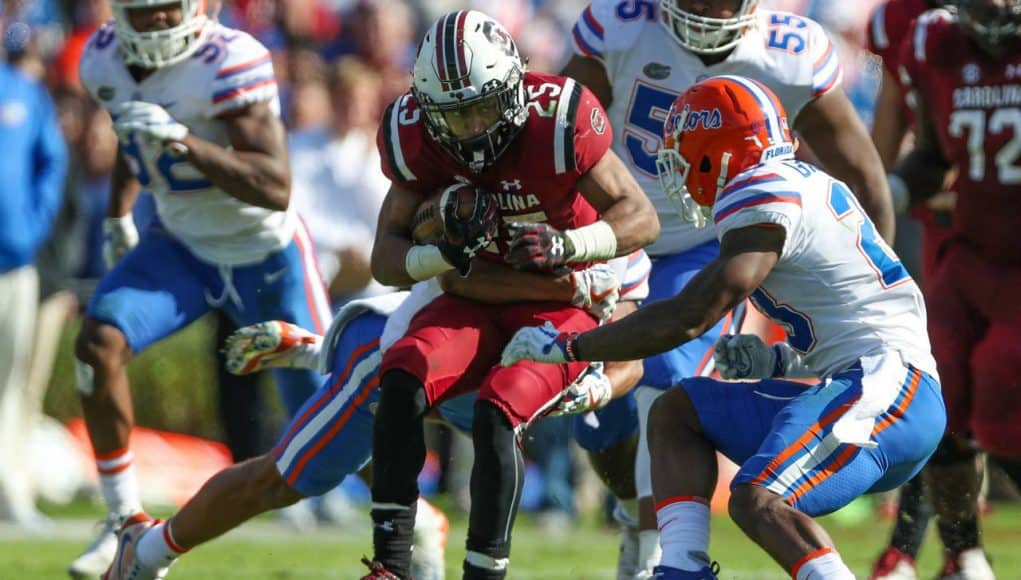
(159, 48)
(705, 35)
(993, 26)
(506, 98)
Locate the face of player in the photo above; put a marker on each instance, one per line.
(710, 8)
(153, 18)
(474, 119)
(994, 24)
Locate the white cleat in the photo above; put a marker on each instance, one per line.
(269, 344)
(125, 564)
(91, 563)
(971, 564)
(431, 527)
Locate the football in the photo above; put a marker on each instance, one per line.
(427, 223)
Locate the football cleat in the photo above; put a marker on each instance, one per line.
(377, 571)
(970, 564)
(430, 542)
(125, 564)
(667, 573)
(894, 565)
(94, 561)
(269, 344)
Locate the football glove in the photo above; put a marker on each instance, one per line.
(539, 343)
(119, 236)
(744, 356)
(464, 238)
(148, 121)
(597, 290)
(589, 392)
(540, 247)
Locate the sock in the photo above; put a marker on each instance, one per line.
(119, 482)
(393, 530)
(649, 552)
(684, 532)
(913, 517)
(961, 534)
(157, 548)
(306, 355)
(824, 564)
(626, 512)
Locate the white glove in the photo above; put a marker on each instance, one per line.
(744, 356)
(589, 392)
(149, 121)
(271, 344)
(539, 343)
(119, 236)
(597, 290)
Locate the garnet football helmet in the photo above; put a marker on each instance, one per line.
(992, 23)
(157, 48)
(468, 61)
(717, 129)
(704, 35)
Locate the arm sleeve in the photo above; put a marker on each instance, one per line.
(752, 206)
(826, 70)
(592, 135)
(587, 34)
(244, 76)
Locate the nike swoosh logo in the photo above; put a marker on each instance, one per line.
(272, 277)
(598, 296)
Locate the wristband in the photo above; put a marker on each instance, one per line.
(592, 242)
(424, 262)
(118, 224)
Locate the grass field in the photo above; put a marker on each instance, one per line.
(266, 550)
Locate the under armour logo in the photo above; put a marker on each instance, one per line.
(509, 185)
(1013, 71)
(557, 246)
(387, 526)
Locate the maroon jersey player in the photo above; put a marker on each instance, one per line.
(534, 149)
(963, 76)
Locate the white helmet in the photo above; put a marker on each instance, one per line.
(465, 58)
(159, 47)
(703, 35)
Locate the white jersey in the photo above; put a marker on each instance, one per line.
(229, 71)
(648, 69)
(838, 289)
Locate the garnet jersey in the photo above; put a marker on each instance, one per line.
(888, 24)
(974, 104)
(229, 71)
(648, 70)
(838, 289)
(535, 179)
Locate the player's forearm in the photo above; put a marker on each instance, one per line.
(388, 260)
(123, 190)
(493, 283)
(634, 222)
(890, 124)
(255, 178)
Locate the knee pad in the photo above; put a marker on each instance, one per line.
(996, 402)
(953, 450)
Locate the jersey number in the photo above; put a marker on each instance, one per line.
(643, 131)
(174, 170)
(631, 9)
(878, 254)
(782, 35)
(796, 324)
(973, 123)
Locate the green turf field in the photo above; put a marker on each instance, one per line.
(266, 550)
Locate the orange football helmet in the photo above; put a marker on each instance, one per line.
(717, 129)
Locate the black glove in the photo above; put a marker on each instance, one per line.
(539, 247)
(464, 237)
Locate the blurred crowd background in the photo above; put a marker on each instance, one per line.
(338, 64)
